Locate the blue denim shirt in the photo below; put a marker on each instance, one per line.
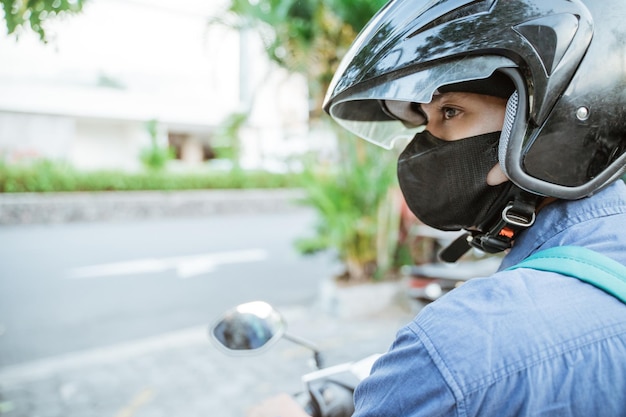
(520, 342)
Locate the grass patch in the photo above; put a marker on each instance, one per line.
(47, 176)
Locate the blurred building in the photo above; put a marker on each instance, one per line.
(87, 94)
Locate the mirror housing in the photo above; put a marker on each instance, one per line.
(248, 327)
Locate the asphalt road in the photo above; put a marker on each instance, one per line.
(71, 287)
(110, 319)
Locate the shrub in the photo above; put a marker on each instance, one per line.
(48, 176)
(358, 210)
(155, 156)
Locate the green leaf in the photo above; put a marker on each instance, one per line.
(35, 13)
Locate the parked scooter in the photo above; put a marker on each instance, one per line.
(328, 391)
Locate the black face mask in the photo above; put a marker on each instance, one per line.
(445, 182)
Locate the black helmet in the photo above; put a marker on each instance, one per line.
(565, 129)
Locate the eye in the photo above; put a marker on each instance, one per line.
(449, 112)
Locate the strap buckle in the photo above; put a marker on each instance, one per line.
(518, 218)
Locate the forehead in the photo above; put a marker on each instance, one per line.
(465, 99)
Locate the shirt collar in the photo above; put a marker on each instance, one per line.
(562, 215)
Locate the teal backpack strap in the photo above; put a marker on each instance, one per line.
(582, 263)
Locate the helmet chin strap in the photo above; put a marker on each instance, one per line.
(499, 231)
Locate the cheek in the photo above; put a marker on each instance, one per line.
(487, 122)
(495, 119)
(467, 127)
(458, 128)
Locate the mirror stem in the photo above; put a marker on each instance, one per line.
(303, 342)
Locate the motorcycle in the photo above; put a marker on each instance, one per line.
(328, 391)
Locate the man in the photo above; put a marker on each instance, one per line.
(515, 115)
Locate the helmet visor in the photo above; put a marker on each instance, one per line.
(384, 111)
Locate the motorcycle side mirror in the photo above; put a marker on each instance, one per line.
(248, 327)
(254, 326)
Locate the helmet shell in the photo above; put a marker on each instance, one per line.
(565, 134)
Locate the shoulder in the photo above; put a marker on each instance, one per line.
(501, 324)
(514, 326)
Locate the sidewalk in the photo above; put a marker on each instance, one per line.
(22, 208)
(182, 374)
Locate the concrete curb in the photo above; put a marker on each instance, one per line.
(29, 208)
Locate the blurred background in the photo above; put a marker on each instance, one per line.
(161, 162)
(88, 91)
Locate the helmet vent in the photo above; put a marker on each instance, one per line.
(470, 8)
(550, 36)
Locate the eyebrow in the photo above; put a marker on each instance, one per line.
(436, 99)
(456, 95)
(441, 96)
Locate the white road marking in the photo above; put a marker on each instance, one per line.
(185, 266)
